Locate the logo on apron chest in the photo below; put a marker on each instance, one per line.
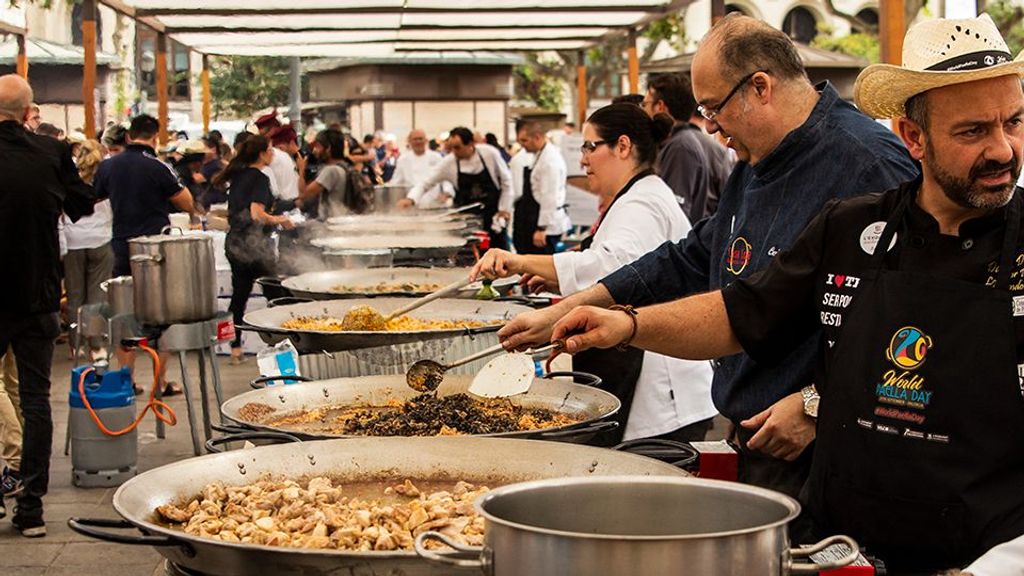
(901, 392)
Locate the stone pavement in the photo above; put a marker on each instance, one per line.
(64, 553)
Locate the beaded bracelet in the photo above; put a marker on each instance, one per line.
(632, 313)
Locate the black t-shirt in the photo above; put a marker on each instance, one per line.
(139, 186)
(244, 235)
(816, 282)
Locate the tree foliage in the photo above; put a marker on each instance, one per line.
(861, 45)
(241, 85)
(543, 77)
(1008, 18)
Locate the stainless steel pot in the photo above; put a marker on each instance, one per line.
(120, 295)
(359, 259)
(386, 197)
(496, 460)
(623, 526)
(175, 278)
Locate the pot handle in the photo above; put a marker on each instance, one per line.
(168, 229)
(147, 258)
(471, 557)
(592, 428)
(585, 378)
(260, 383)
(811, 568)
(679, 454)
(213, 444)
(286, 300)
(88, 527)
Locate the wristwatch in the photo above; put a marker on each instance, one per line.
(811, 399)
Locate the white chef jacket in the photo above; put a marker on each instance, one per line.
(522, 159)
(284, 178)
(412, 169)
(90, 231)
(670, 393)
(448, 171)
(1007, 559)
(547, 182)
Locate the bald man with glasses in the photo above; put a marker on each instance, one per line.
(799, 146)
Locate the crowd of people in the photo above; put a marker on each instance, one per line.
(747, 217)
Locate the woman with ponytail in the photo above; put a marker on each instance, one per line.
(249, 248)
(639, 212)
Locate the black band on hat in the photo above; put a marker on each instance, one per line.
(972, 61)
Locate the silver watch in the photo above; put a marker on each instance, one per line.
(811, 399)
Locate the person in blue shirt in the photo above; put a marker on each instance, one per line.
(798, 146)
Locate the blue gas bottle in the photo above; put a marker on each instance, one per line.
(99, 460)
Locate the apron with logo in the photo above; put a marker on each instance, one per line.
(481, 188)
(920, 446)
(618, 370)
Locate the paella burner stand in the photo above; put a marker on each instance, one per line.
(201, 338)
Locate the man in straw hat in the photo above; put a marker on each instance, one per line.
(919, 291)
(799, 146)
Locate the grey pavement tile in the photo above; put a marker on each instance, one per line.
(103, 554)
(18, 551)
(24, 571)
(147, 569)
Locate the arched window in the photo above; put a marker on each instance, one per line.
(801, 25)
(76, 25)
(870, 17)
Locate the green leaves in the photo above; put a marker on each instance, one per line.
(241, 85)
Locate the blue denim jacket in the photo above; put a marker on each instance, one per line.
(837, 153)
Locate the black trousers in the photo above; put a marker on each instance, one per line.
(243, 276)
(32, 340)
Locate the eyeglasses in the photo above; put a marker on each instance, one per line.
(591, 145)
(711, 113)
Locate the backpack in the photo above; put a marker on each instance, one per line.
(359, 194)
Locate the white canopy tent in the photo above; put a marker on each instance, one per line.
(381, 28)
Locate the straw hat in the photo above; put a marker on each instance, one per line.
(936, 53)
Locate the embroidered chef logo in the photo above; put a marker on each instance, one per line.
(908, 348)
(739, 255)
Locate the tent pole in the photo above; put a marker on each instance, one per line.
(634, 64)
(581, 89)
(22, 66)
(206, 94)
(89, 66)
(161, 85)
(892, 27)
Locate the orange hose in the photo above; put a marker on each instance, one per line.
(157, 406)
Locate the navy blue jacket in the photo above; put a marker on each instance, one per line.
(837, 153)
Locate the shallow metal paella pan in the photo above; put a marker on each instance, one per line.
(496, 461)
(267, 322)
(339, 284)
(591, 405)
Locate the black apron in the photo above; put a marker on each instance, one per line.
(618, 370)
(480, 188)
(527, 215)
(920, 447)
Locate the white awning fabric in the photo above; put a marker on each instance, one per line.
(379, 28)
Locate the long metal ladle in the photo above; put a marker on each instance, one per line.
(426, 375)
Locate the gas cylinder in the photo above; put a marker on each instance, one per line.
(97, 458)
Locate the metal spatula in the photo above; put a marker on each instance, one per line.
(508, 374)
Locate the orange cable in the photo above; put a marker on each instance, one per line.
(157, 406)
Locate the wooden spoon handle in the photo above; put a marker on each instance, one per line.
(481, 354)
(454, 286)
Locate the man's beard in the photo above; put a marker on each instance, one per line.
(968, 192)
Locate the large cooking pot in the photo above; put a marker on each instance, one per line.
(498, 461)
(120, 295)
(174, 276)
(590, 404)
(625, 526)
